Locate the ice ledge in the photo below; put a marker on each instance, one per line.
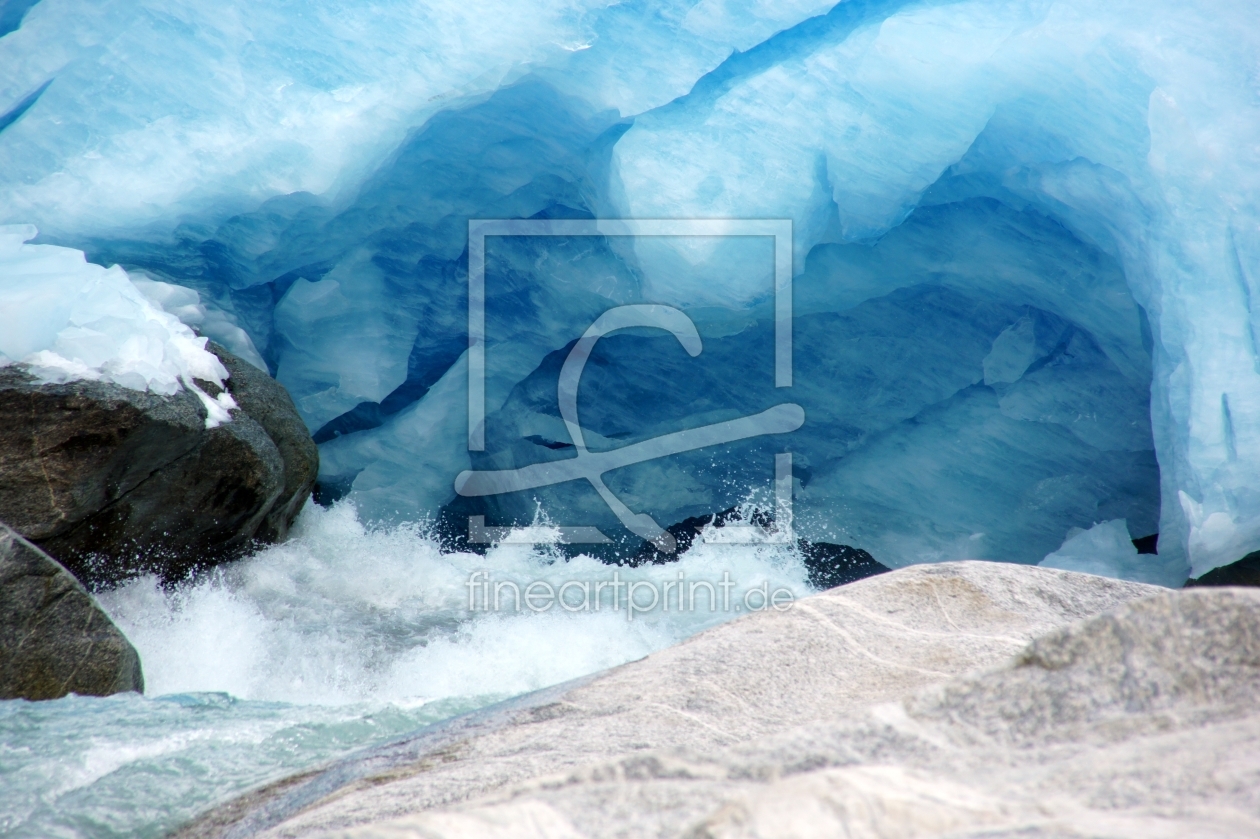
(66, 319)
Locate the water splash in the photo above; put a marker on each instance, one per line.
(344, 612)
(343, 637)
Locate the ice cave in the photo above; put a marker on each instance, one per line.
(1013, 305)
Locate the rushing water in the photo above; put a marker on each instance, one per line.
(343, 637)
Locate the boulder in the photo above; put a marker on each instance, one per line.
(1139, 722)
(113, 481)
(759, 676)
(54, 639)
(1136, 723)
(266, 402)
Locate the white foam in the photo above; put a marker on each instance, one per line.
(346, 613)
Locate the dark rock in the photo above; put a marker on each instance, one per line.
(828, 565)
(113, 481)
(54, 639)
(684, 533)
(832, 565)
(1244, 572)
(266, 401)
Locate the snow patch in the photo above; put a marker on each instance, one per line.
(66, 319)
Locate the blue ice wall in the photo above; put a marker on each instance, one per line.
(11, 14)
(1026, 243)
(955, 415)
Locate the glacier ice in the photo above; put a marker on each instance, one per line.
(187, 305)
(159, 108)
(64, 319)
(1125, 125)
(163, 106)
(1104, 549)
(1026, 243)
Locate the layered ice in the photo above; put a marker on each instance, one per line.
(158, 108)
(161, 107)
(1026, 244)
(1113, 121)
(64, 319)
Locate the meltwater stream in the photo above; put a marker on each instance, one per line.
(343, 637)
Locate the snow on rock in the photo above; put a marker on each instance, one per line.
(65, 318)
(187, 305)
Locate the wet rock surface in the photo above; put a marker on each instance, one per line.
(829, 565)
(112, 481)
(54, 639)
(266, 402)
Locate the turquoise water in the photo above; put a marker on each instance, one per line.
(342, 638)
(133, 766)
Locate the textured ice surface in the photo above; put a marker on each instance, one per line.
(65, 318)
(1026, 243)
(161, 107)
(1104, 549)
(186, 304)
(1127, 125)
